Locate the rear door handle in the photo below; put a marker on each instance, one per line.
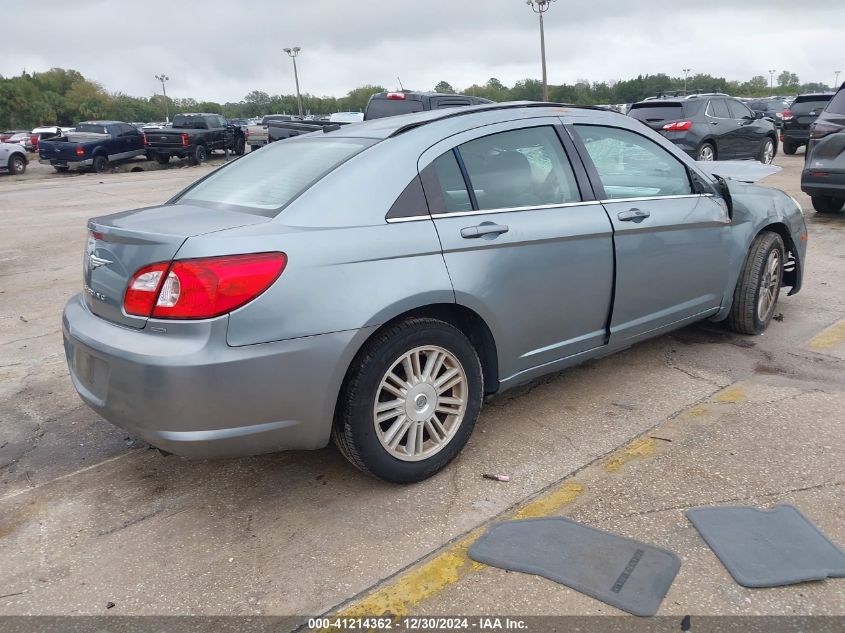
(484, 229)
(633, 215)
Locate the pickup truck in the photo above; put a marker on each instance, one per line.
(259, 134)
(384, 104)
(12, 158)
(92, 144)
(194, 136)
(281, 130)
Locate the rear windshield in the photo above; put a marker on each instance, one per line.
(656, 111)
(837, 104)
(180, 121)
(380, 108)
(269, 179)
(805, 105)
(91, 128)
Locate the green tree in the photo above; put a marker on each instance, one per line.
(445, 87)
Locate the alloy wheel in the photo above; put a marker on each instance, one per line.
(769, 286)
(706, 153)
(768, 152)
(420, 403)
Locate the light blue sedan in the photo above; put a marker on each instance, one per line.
(373, 284)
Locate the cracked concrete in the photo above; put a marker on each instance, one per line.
(88, 515)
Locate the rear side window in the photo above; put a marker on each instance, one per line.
(519, 168)
(632, 166)
(656, 112)
(837, 104)
(808, 105)
(451, 183)
(380, 108)
(268, 180)
(180, 121)
(91, 128)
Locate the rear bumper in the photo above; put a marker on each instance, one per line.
(815, 184)
(795, 136)
(180, 151)
(186, 391)
(67, 163)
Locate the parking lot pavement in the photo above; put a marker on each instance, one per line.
(89, 516)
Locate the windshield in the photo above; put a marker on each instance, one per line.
(269, 179)
(656, 111)
(91, 128)
(380, 108)
(805, 105)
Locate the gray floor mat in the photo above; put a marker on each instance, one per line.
(768, 548)
(627, 574)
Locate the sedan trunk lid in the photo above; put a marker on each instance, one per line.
(119, 245)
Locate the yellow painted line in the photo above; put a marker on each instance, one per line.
(829, 338)
(636, 449)
(397, 598)
(732, 394)
(698, 412)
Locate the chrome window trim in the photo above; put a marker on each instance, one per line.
(461, 214)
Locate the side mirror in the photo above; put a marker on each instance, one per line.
(758, 115)
(726, 195)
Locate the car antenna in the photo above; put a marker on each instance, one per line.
(401, 87)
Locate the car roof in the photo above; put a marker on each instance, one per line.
(99, 122)
(388, 127)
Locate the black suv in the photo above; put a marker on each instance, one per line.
(710, 126)
(798, 119)
(823, 178)
(771, 109)
(383, 104)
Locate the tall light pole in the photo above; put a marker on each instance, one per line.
(836, 79)
(772, 81)
(540, 7)
(162, 78)
(686, 75)
(292, 53)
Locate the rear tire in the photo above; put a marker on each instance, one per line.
(406, 365)
(758, 287)
(767, 151)
(828, 204)
(101, 164)
(240, 146)
(706, 152)
(61, 168)
(199, 155)
(17, 164)
(789, 148)
(162, 159)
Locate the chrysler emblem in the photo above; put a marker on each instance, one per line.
(96, 262)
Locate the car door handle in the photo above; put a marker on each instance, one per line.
(714, 123)
(633, 215)
(483, 229)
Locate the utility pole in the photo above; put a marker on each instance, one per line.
(292, 53)
(686, 75)
(836, 79)
(162, 78)
(540, 7)
(772, 81)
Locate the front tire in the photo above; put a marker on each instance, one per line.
(707, 152)
(758, 287)
(17, 165)
(240, 146)
(828, 204)
(410, 401)
(767, 152)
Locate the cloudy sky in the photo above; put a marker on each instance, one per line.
(222, 50)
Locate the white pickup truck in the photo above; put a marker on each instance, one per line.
(257, 134)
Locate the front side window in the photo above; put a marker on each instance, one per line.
(632, 166)
(738, 110)
(519, 168)
(267, 180)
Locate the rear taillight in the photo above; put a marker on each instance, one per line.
(678, 126)
(80, 151)
(184, 140)
(820, 129)
(396, 95)
(144, 136)
(787, 115)
(201, 288)
(246, 133)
